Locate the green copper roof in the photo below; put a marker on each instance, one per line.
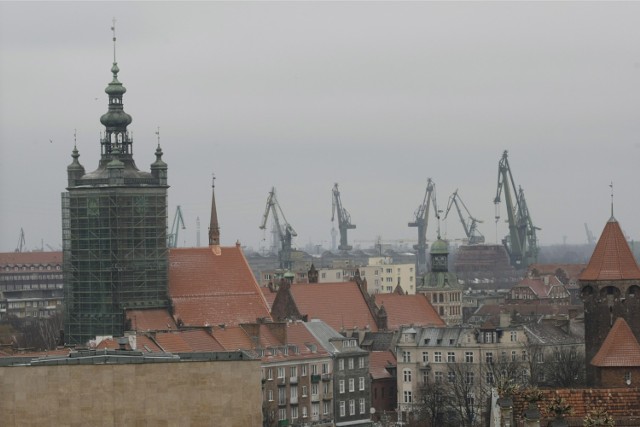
(440, 247)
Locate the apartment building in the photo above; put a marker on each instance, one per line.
(384, 276)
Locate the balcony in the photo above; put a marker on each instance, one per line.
(293, 380)
(282, 380)
(283, 423)
(294, 400)
(315, 398)
(315, 378)
(326, 377)
(327, 396)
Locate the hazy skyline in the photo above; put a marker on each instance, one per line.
(376, 96)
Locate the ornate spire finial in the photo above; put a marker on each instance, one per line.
(158, 135)
(113, 29)
(611, 186)
(213, 180)
(214, 228)
(74, 138)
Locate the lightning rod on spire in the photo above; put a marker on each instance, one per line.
(113, 29)
(158, 135)
(611, 186)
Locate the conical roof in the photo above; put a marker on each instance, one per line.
(612, 258)
(620, 348)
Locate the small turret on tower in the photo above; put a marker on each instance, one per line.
(214, 228)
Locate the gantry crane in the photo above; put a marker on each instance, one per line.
(22, 244)
(590, 237)
(470, 224)
(422, 221)
(521, 243)
(283, 230)
(344, 219)
(178, 222)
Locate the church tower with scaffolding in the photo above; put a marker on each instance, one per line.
(114, 231)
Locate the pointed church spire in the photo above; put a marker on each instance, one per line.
(214, 229)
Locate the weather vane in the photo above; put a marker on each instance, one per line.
(113, 29)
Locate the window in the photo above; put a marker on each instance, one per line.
(314, 389)
(627, 377)
(294, 412)
(282, 397)
(351, 364)
(352, 407)
(304, 391)
(325, 408)
(514, 336)
(341, 364)
(361, 362)
(468, 356)
(451, 357)
(489, 378)
(341, 386)
(514, 357)
(325, 368)
(361, 383)
(315, 410)
(451, 376)
(294, 371)
(407, 375)
(352, 384)
(304, 412)
(342, 408)
(469, 377)
(406, 357)
(294, 393)
(303, 370)
(425, 356)
(362, 407)
(280, 372)
(270, 374)
(503, 356)
(488, 357)
(314, 369)
(282, 414)
(437, 357)
(270, 395)
(389, 279)
(524, 355)
(408, 396)
(540, 357)
(439, 376)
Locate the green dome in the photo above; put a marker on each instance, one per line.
(440, 247)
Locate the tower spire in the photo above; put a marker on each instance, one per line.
(214, 229)
(611, 186)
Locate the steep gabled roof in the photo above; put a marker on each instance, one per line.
(408, 309)
(340, 305)
(620, 348)
(187, 341)
(214, 285)
(612, 258)
(153, 319)
(379, 361)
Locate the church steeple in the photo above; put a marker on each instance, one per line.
(214, 229)
(115, 119)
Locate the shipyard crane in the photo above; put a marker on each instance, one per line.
(178, 222)
(469, 224)
(22, 244)
(422, 221)
(283, 230)
(521, 243)
(590, 237)
(344, 219)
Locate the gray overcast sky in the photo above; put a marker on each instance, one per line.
(299, 95)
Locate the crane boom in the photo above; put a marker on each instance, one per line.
(469, 225)
(521, 243)
(284, 231)
(178, 221)
(421, 221)
(344, 219)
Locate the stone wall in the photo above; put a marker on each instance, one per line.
(198, 393)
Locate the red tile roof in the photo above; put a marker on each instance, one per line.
(111, 344)
(612, 258)
(378, 361)
(187, 341)
(269, 295)
(538, 285)
(234, 338)
(340, 305)
(405, 310)
(154, 319)
(211, 289)
(26, 258)
(146, 345)
(620, 347)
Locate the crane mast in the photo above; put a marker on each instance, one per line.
(469, 225)
(521, 243)
(421, 221)
(178, 222)
(284, 231)
(344, 219)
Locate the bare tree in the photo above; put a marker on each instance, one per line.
(432, 404)
(566, 367)
(37, 333)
